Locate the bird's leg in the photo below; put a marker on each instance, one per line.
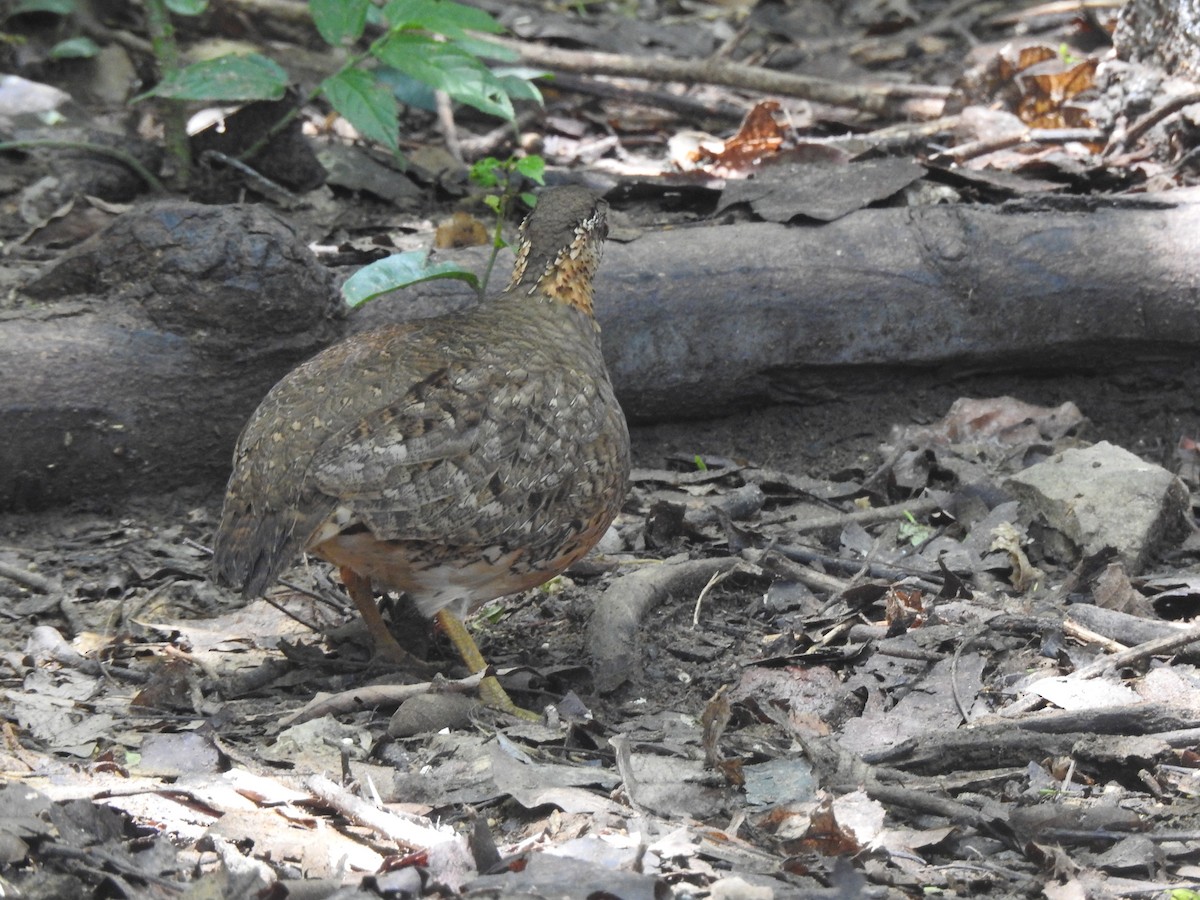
(489, 688)
(385, 644)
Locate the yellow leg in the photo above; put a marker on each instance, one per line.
(385, 645)
(489, 688)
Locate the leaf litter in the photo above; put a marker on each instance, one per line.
(777, 677)
(889, 680)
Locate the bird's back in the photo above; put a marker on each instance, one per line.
(491, 432)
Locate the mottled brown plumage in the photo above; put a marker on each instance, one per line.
(458, 458)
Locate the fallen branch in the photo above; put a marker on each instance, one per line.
(878, 99)
(408, 832)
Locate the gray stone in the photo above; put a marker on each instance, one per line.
(1103, 496)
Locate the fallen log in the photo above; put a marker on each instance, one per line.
(135, 360)
(139, 379)
(700, 321)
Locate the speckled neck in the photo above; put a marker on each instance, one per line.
(559, 247)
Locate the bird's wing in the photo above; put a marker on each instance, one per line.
(470, 454)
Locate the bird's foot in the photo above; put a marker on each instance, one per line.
(496, 697)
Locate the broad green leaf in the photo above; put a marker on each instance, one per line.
(408, 90)
(517, 85)
(399, 271)
(483, 171)
(75, 48)
(445, 67)
(339, 20)
(366, 104)
(54, 7)
(532, 167)
(486, 49)
(187, 7)
(443, 16)
(226, 78)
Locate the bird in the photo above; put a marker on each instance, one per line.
(457, 459)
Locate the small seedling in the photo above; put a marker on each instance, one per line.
(505, 178)
(913, 532)
(406, 269)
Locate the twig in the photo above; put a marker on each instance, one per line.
(258, 181)
(46, 642)
(25, 578)
(1085, 635)
(373, 696)
(476, 146)
(1140, 652)
(926, 581)
(681, 104)
(1145, 650)
(1053, 8)
(871, 98)
(1121, 142)
(126, 159)
(624, 761)
(864, 516)
(411, 833)
(447, 125)
(717, 578)
(975, 149)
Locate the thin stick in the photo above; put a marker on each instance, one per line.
(409, 833)
(717, 578)
(871, 98)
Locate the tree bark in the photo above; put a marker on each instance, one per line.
(702, 321)
(146, 349)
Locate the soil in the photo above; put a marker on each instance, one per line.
(765, 683)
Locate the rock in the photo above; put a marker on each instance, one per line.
(1102, 496)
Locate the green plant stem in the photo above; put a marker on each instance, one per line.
(100, 150)
(174, 115)
(497, 242)
(503, 207)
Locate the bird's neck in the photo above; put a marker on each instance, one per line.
(566, 280)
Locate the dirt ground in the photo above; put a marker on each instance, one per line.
(198, 688)
(832, 648)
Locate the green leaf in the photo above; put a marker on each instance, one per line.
(366, 104)
(517, 85)
(399, 271)
(913, 532)
(339, 20)
(483, 172)
(75, 48)
(532, 167)
(408, 90)
(485, 48)
(187, 7)
(226, 78)
(54, 7)
(443, 16)
(447, 68)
